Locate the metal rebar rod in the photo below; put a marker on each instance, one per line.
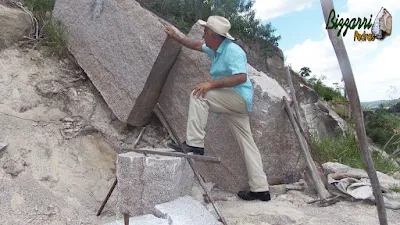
(116, 181)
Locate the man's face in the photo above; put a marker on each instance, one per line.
(207, 36)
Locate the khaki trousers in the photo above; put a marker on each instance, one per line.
(234, 109)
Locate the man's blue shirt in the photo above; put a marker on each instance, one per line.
(230, 59)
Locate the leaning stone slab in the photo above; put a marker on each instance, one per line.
(142, 220)
(185, 210)
(124, 51)
(145, 181)
(270, 125)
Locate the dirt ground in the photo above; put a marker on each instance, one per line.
(62, 142)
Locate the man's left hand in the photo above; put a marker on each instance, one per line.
(201, 89)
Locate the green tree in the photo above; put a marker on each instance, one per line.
(381, 126)
(184, 13)
(305, 72)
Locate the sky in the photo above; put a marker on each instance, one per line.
(305, 43)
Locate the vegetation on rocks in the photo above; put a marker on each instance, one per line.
(47, 31)
(240, 13)
(344, 149)
(382, 126)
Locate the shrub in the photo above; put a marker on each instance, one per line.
(345, 150)
(383, 127)
(49, 32)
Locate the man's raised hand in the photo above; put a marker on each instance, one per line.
(170, 30)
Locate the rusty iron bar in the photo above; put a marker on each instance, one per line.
(116, 181)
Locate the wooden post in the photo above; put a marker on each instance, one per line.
(293, 94)
(351, 89)
(323, 194)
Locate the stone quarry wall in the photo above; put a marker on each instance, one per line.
(125, 52)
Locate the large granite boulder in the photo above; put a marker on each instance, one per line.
(145, 181)
(319, 117)
(270, 125)
(14, 24)
(123, 49)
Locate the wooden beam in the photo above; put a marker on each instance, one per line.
(209, 159)
(323, 194)
(351, 90)
(293, 94)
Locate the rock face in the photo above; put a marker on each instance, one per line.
(320, 119)
(185, 210)
(144, 182)
(257, 61)
(123, 49)
(14, 24)
(142, 220)
(270, 125)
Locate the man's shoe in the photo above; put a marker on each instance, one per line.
(249, 195)
(195, 150)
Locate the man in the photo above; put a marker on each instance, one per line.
(230, 93)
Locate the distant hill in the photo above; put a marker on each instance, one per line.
(376, 104)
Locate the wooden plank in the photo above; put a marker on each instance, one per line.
(323, 194)
(351, 90)
(209, 159)
(293, 94)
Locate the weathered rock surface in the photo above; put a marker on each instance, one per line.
(271, 128)
(46, 178)
(3, 145)
(142, 220)
(317, 117)
(320, 119)
(185, 210)
(14, 23)
(144, 182)
(123, 49)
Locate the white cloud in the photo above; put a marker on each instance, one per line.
(366, 7)
(374, 66)
(373, 63)
(268, 9)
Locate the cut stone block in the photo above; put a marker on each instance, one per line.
(185, 210)
(124, 50)
(271, 128)
(144, 182)
(142, 220)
